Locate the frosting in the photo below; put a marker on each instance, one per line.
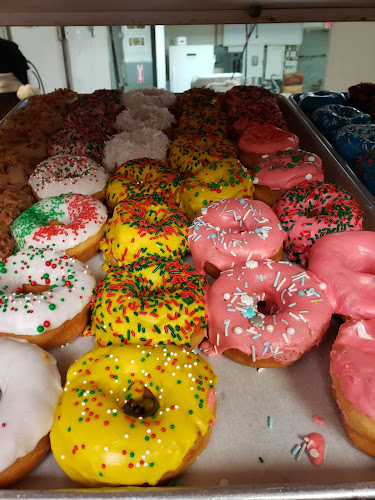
(316, 448)
(86, 120)
(245, 117)
(30, 386)
(96, 443)
(190, 125)
(312, 209)
(229, 179)
(144, 226)
(153, 301)
(346, 263)
(101, 101)
(314, 100)
(146, 116)
(79, 217)
(136, 98)
(365, 170)
(330, 118)
(354, 141)
(286, 169)
(352, 362)
(232, 231)
(142, 176)
(263, 139)
(295, 316)
(74, 143)
(70, 291)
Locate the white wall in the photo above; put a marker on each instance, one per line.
(351, 55)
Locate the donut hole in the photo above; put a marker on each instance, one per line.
(313, 213)
(268, 306)
(145, 407)
(55, 222)
(35, 288)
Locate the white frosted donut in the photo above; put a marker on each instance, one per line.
(76, 218)
(137, 98)
(147, 116)
(30, 385)
(143, 143)
(68, 174)
(44, 318)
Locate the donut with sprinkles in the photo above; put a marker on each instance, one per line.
(133, 415)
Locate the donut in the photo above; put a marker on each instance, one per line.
(47, 121)
(85, 121)
(70, 223)
(283, 170)
(332, 117)
(45, 297)
(30, 388)
(102, 101)
(266, 314)
(203, 100)
(189, 125)
(353, 381)
(314, 100)
(62, 174)
(258, 140)
(312, 209)
(146, 116)
(241, 117)
(190, 154)
(361, 94)
(240, 94)
(136, 98)
(231, 232)
(73, 143)
(229, 179)
(24, 141)
(141, 176)
(144, 225)
(152, 301)
(60, 100)
(345, 262)
(148, 414)
(365, 170)
(354, 141)
(145, 143)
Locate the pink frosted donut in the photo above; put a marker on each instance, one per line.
(265, 314)
(346, 263)
(233, 231)
(353, 381)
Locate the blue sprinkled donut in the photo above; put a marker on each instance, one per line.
(354, 141)
(365, 170)
(313, 100)
(331, 117)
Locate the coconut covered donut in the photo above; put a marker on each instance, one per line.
(30, 385)
(136, 98)
(70, 223)
(146, 117)
(145, 143)
(141, 176)
(152, 301)
(148, 414)
(68, 174)
(233, 231)
(45, 297)
(266, 314)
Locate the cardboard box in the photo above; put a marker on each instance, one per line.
(293, 78)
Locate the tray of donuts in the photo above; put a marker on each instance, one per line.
(186, 337)
(345, 121)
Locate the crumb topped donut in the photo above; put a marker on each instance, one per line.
(148, 414)
(152, 301)
(30, 385)
(44, 297)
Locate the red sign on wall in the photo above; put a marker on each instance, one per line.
(140, 75)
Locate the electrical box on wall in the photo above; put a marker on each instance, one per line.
(138, 57)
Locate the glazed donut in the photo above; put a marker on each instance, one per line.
(144, 225)
(190, 154)
(283, 170)
(73, 143)
(229, 179)
(45, 297)
(331, 118)
(146, 117)
(136, 98)
(233, 231)
(141, 176)
(314, 100)
(266, 314)
(365, 170)
(30, 387)
(64, 174)
(152, 301)
(149, 413)
(346, 263)
(353, 381)
(312, 209)
(70, 223)
(145, 143)
(258, 140)
(354, 141)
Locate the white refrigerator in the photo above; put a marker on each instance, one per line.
(187, 62)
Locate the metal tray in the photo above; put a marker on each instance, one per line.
(230, 466)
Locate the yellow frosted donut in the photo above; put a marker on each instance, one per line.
(190, 154)
(229, 179)
(133, 415)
